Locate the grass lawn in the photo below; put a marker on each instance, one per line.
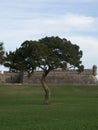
(71, 108)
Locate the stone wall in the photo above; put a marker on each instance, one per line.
(63, 77)
(88, 76)
(8, 77)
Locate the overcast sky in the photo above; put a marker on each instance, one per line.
(75, 20)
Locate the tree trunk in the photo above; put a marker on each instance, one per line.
(46, 89)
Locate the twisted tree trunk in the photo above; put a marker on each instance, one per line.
(46, 89)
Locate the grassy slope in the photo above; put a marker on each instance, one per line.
(71, 108)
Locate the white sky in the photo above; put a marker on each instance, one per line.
(75, 20)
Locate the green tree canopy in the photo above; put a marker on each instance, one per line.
(48, 53)
(1, 53)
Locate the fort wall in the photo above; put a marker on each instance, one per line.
(63, 77)
(88, 76)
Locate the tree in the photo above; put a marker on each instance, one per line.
(1, 53)
(48, 53)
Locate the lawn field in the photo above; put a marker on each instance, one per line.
(71, 108)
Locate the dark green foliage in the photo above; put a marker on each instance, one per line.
(64, 54)
(48, 53)
(1, 53)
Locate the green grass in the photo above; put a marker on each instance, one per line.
(71, 108)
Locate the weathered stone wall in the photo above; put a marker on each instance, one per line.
(88, 76)
(63, 77)
(8, 77)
